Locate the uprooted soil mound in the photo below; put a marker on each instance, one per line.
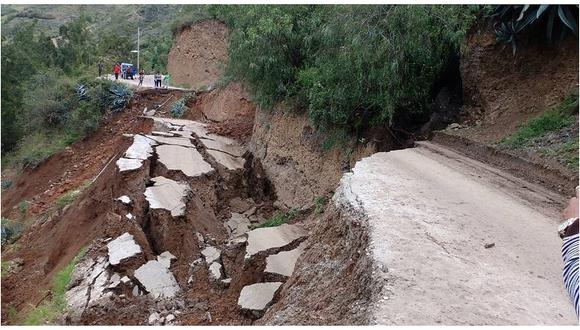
(197, 54)
(228, 111)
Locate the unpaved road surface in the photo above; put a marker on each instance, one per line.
(431, 213)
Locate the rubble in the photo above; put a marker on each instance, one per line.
(228, 161)
(166, 258)
(263, 239)
(283, 262)
(258, 297)
(211, 254)
(157, 280)
(124, 199)
(215, 271)
(237, 225)
(123, 247)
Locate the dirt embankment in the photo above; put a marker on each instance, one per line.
(291, 154)
(198, 53)
(502, 91)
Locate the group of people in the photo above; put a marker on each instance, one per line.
(130, 71)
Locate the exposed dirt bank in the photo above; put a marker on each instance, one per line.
(502, 91)
(291, 154)
(198, 53)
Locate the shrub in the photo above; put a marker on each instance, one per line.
(352, 66)
(279, 219)
(10, 229)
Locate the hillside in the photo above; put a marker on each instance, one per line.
(307, 165)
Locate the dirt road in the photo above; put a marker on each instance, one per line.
(458, 242)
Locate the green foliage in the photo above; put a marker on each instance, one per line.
(319, 204)
(353, 66)
(5, 267)
(179, 107)
(49, 310)
(549, 121)
(513, 19)
(279, 218)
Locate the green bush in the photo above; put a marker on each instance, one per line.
(352, 66)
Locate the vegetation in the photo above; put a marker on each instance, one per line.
(279, 218)
(553, 120)
(49, 310)
(514, 19)
(179, 107)
(319, 204)
(352, 67)
(49, 98)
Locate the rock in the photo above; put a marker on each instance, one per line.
(215, 271)
(251, 211)
(121, 248)
(228, 161)
(200, 238)
(157, 280)
(114, 281)
(154, 318)
(211, 254)
(169, 318)
(127, 135)
(165, 258)
(263, 239)
(283, 263)
(125, 280)
(257, 297)
(237, 225)
(187, 160)
(124, 199)
(129, 216)
(167, 194)
(136, 292)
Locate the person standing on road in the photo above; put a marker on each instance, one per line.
(569, 233)
(141, 77)
(157, 79)
(100, 69)
(116, 71)
(167, 80)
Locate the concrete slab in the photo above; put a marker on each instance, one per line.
(282, 263)
(237, 225)
(141, 148)
(167, 194)
(211, 254)
(258, 297)
(166, 258)
(187, 160)
(178, 141)
(121, 248)
(157, 280)
(127, 164)
(228, 161)
(263, 239)
(224, 144)
(167, 134)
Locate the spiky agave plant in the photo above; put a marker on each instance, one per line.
(119, 97)
(512, 19)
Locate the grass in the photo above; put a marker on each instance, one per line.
(5, 266)
(66, 199)
(319, 204)
(550, 121)
(48, 311)
(36, 148)
(279, 219)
